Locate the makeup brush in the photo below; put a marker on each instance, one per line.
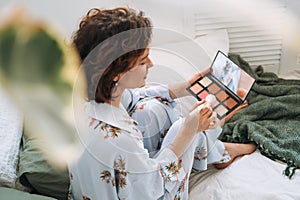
(210, 101)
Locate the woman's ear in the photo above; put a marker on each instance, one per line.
(119, 77)
(116, 78)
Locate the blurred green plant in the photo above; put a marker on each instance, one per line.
(37, 69)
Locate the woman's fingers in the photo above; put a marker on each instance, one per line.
(242, 93)
(206, 112)
(204, 120)
(213, 121)
(197, 104)
(204, 115)
(238, 109)
(197, 76)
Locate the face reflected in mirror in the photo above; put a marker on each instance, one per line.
(230, 74)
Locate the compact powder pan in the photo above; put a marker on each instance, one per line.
(223, 81)
(208, 84)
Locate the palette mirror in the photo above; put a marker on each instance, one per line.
(223, 80)
(231, 75)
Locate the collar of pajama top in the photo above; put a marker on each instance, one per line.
(128, 146)
(117, 117)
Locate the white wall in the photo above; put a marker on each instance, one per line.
(291, 57)
(66, 14)
(294, 7)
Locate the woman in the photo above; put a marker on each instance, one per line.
(114, 45)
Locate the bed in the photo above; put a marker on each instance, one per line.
(253, 176)
(263, 174)
(249, 177)
(275, 130)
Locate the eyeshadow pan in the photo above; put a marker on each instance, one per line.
(213, 88)
(203, 94)
(221, 110)
(196, 88)
(222, 95)
(230, 103)
(205, 81)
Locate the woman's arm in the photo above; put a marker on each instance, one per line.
(194, 123)
(178, 90)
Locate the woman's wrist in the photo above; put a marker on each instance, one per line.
(178, 90)
(181, 141)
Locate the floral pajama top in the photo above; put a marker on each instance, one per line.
(115, 165)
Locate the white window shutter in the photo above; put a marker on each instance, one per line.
(254, 38)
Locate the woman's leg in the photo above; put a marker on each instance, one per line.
(235, 150)
(209, 149)
(154, 120)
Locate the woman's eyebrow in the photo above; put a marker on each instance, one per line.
(145, 57)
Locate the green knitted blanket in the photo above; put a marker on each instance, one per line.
(272, 119)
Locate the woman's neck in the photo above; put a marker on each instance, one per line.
(115, 102)
(116, 97)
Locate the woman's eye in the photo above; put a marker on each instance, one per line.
(143, 63)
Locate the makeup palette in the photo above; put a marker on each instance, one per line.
(223, 84)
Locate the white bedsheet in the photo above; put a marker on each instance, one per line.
(11, 124)
(247, 178)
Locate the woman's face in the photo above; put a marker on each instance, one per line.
(136, 76)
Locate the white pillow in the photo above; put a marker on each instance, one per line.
(214, 41)
(11, 124)
(186, 57)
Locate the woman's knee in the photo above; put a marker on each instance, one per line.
(151, 114)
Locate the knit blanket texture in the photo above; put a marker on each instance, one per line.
(272, 119)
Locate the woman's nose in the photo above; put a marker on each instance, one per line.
(149, 63)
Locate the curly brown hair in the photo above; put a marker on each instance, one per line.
(109, 43)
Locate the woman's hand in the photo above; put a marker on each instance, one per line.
(197, 76)
(199, 118)
(242, 93)
(196, 121)
(179, 89)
